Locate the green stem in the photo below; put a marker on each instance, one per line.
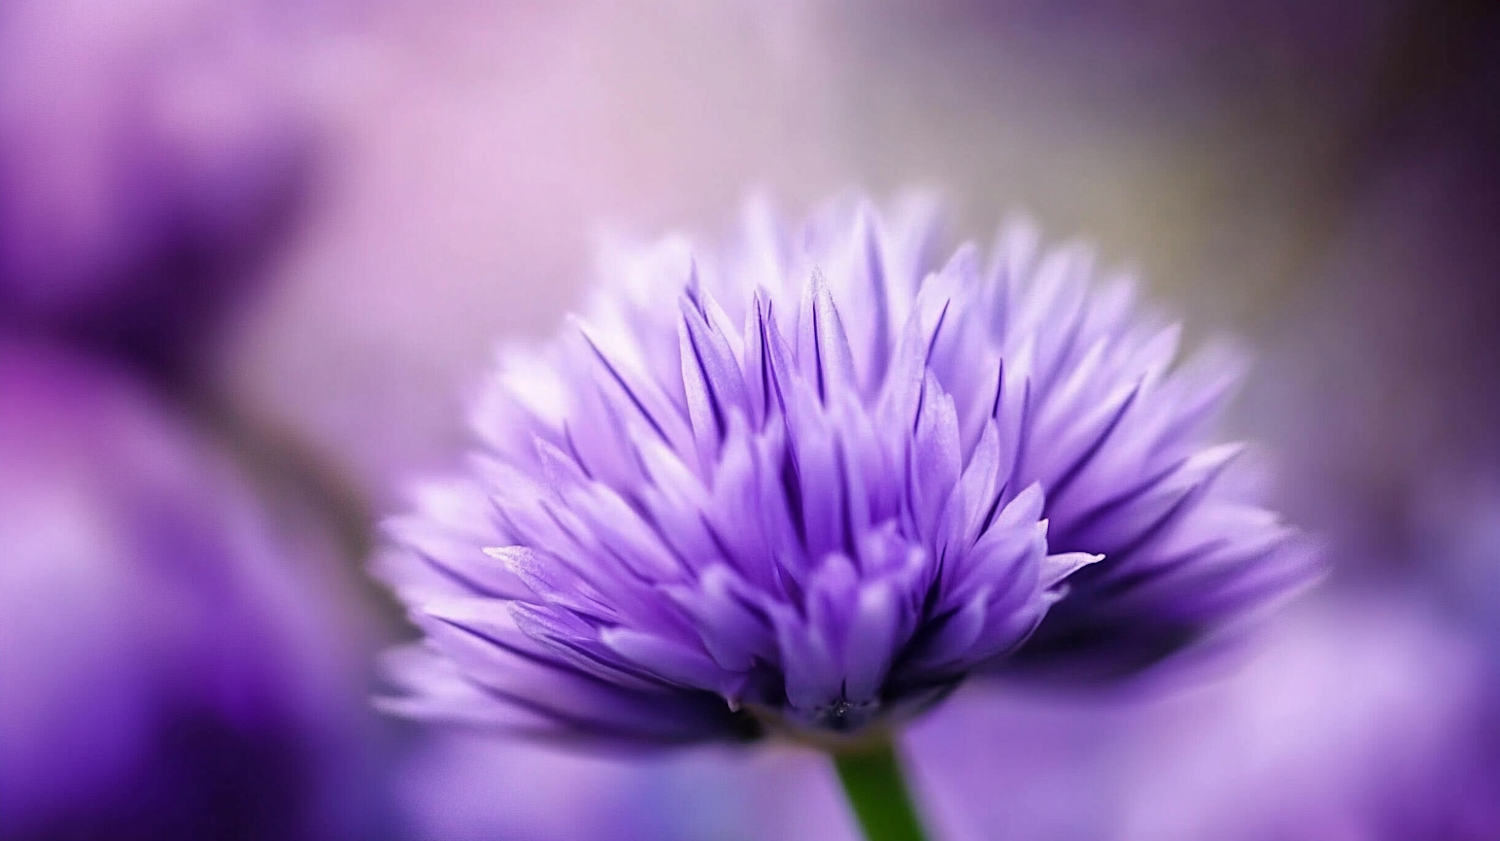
(877, 790)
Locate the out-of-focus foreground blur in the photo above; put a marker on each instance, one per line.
(257, 255)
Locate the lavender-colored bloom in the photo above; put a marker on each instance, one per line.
(803, 488)
(147, 161)
(174, 661)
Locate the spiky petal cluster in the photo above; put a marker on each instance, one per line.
(803, 487)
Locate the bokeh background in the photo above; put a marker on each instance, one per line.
(256, 257)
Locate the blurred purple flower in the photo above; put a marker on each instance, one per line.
(174, 662)
(812, 487)
(146, 162)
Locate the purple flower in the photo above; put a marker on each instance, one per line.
(147, 163)
(175, 663)
(802, 489)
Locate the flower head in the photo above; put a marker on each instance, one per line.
(173, 663)
(803, 487)
(148, 165)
